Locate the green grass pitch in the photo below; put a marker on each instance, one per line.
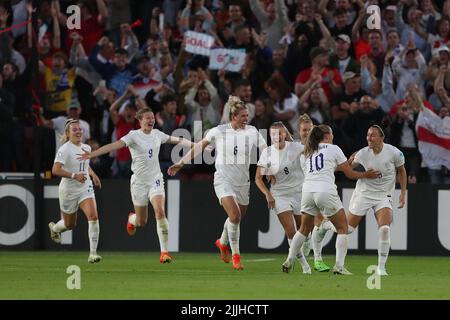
(203, 276)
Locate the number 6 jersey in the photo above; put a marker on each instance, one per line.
(319, 168)
(67, 155)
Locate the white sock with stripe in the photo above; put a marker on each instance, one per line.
(93, 233)
(233, 236)
(162, 227)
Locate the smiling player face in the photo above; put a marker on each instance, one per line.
(241, 119)
(147, 122)
(75, 133)
(374, 138)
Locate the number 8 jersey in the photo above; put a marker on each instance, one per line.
(319, 168)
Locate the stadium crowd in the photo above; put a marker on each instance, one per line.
(301, 56)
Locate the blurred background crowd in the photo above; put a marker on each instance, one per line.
(301, 56)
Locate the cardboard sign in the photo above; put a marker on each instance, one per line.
(228, 59)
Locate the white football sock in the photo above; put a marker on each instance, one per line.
(162, 227)
(296, 245)
(384, 244)
(350, 229)
(224, 236)
(328, 225)
(93, 233)
(317, 236)
(341, 249)
(300, 256)
(233, 236)
(59, 226)
(132, 219)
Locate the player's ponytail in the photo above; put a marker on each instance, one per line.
(280, 124)
(314, 138)
(65, 136)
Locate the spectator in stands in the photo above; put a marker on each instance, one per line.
(285, 102)
(314, 102)
(362, 115)
(59, 83)
(342, 60)
(236, 20)
(377, 53)
(409, 67)
(124, 122)
(59, 123)
(203, 105)
(118, 74)
(403, 134)
(194, 9)
(341, 25)
(272, 20)
(92, 24)
(329, 78)
(263, 114)
(167, 121)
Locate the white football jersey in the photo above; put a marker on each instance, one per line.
(67, 155)
(235, 151)
(285, 166)
(386, 163)
(144, 149)
(319, 168)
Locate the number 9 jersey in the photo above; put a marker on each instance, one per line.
(319, 168)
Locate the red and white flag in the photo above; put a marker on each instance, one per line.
(433, 134)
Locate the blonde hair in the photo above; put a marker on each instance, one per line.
(304, 118)
(65, 136)
(280, 124)
(141, 112)
(315, 136)
(236, 105)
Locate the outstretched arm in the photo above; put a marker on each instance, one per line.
(354, 175)
(179, 140)
(105, 149)
(195, 150)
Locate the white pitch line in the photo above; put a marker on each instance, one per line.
(260, 260)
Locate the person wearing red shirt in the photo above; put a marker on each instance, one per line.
(92, 25)
(329, 78)
(124, 122)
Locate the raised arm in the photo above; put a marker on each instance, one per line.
(103, 11)
(56, 41)
(195, 151)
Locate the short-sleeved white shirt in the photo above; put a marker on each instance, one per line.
(319, 168)
(68, 155)
(285, 165)
(235, 150)
(59, 125)
(386, 163)
(144, 149)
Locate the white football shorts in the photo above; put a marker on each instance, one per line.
(360, 205)
(319, 202)
(69, 200)
(142, 192)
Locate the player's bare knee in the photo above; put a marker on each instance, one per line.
(342, 229)
(160, 213)
(384, 229)
(70, 225)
